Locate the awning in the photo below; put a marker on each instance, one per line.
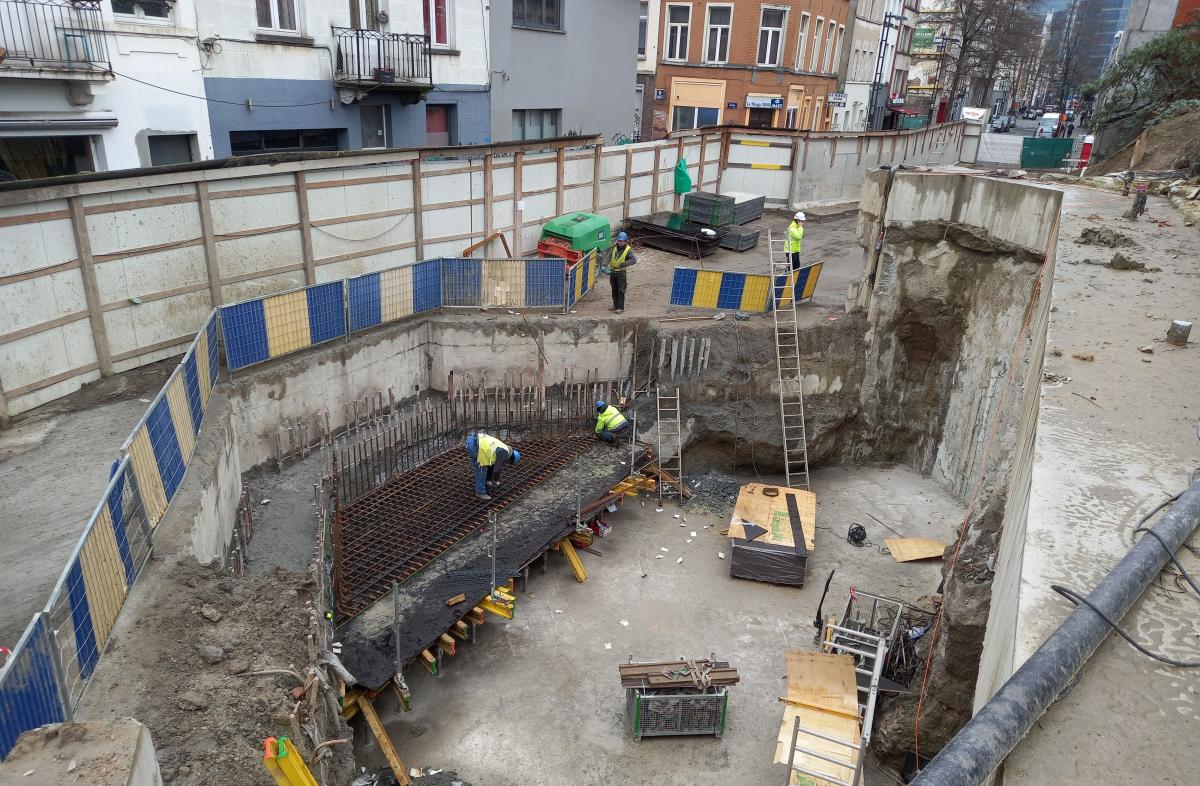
(900, 110)
(54, 121)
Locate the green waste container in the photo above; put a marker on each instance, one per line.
(579, 232)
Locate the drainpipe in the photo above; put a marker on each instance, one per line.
(980, 746)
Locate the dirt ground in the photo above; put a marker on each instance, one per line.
(1172, 144)
(829, 236)
(176, 670)
(54, 465)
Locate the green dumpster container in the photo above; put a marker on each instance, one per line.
(1045, 153)
(579, 232)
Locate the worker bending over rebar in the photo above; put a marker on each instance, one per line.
(488, 456)
(610, 423)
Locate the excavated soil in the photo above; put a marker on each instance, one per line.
(1171, 144)
(178, 671)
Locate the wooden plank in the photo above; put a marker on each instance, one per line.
(654, 181)
(447, 643)
(418, 224)
(518, 214)
(558, 188)
(385, 742)
(598, 151)
(822, 680)
(306, 246)
(823, 695)
(771, 513)
(210, 243)
(628, 181)
(909, 549)
(91, 291)
(488, 164)
(459, 598)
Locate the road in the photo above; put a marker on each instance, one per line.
(1005, 149)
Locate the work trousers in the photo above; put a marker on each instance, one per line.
(491, 474)
(794, 258)
(610, 435)
(618, 281)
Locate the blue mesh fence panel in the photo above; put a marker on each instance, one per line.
(462, 282)
(683, 286)
(165, 443)
(326, 311)
(544, 282)
(244, 326)
(30, 695)
(730, 294)
(427, 285)
(213, 351)
(191, 382)
(364, 301)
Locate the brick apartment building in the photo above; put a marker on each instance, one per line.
(763, 64)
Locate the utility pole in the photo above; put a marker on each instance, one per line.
(890, 21)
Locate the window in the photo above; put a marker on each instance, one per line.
(829, 46)
(535, 123)
(364, 14)
(171, 149)
(277, 14)
(439, 23)
(716, 48)
(687, 117)
(770, 36)
(541, 14)
(761, 118)
(679, 18)
(643, 17)
(23, 158)
(439, 125)
(143, 9)
(841, 41)
(243, 143)
(373, 126)
(790, 121)
(800, 49)
(814, 63)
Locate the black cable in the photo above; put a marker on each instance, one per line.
(1187, 576)
(221, 100)
(1076, 598)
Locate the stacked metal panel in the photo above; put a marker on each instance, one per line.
(746, 207)
(703, 207)
(740, 239)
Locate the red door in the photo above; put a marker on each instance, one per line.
(437, 126)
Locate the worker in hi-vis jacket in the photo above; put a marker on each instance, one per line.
(488, 456)
(610, 423)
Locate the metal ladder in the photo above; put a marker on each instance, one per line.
(670, 442)
(787, 361)
(869, 651)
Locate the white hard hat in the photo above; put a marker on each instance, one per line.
(800, 215)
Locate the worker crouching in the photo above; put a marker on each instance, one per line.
(488, 456)
(610, 423)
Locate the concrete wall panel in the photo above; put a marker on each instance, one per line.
(238, 214)
(245, 255)
(39, 244)
(355, 237)
(33, 300)
(147, 274)
(259, 287)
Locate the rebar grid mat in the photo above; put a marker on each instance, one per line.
(393, 532)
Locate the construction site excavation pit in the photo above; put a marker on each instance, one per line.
(338, 479)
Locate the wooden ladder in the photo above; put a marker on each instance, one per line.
(670, 443)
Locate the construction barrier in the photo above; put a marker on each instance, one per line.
(264, 328)
(393, 294)
(581, 278)
(48, 670)
(535, 282)
(750, 292)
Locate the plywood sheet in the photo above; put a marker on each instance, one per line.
(771, 513)
(908, 549)
(823, 695)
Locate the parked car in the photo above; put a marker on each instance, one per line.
(1048, 124)
(1002, 123)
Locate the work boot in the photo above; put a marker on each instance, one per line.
(484, 497)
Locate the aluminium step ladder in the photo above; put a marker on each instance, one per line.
(787, 362)
(670, 443)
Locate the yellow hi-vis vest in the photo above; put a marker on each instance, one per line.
(610, 419)
(616, 262)
(488, 445)
(795, 238)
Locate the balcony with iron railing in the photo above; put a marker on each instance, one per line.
(53, 38)
(385, 61)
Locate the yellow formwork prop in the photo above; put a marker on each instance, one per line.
(498, 607)
(568, 550)
(384, 741)
(284, 763)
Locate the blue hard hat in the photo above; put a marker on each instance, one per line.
(600, 404)
(622, 236)
(516, 456)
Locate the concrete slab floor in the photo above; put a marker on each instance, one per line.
(537, 700)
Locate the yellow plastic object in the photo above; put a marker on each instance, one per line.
(292, 764)
(271, 762)
(572, 556)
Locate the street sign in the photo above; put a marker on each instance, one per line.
(837, 99)
(763, 102)
(660, 95)
(922, 40)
